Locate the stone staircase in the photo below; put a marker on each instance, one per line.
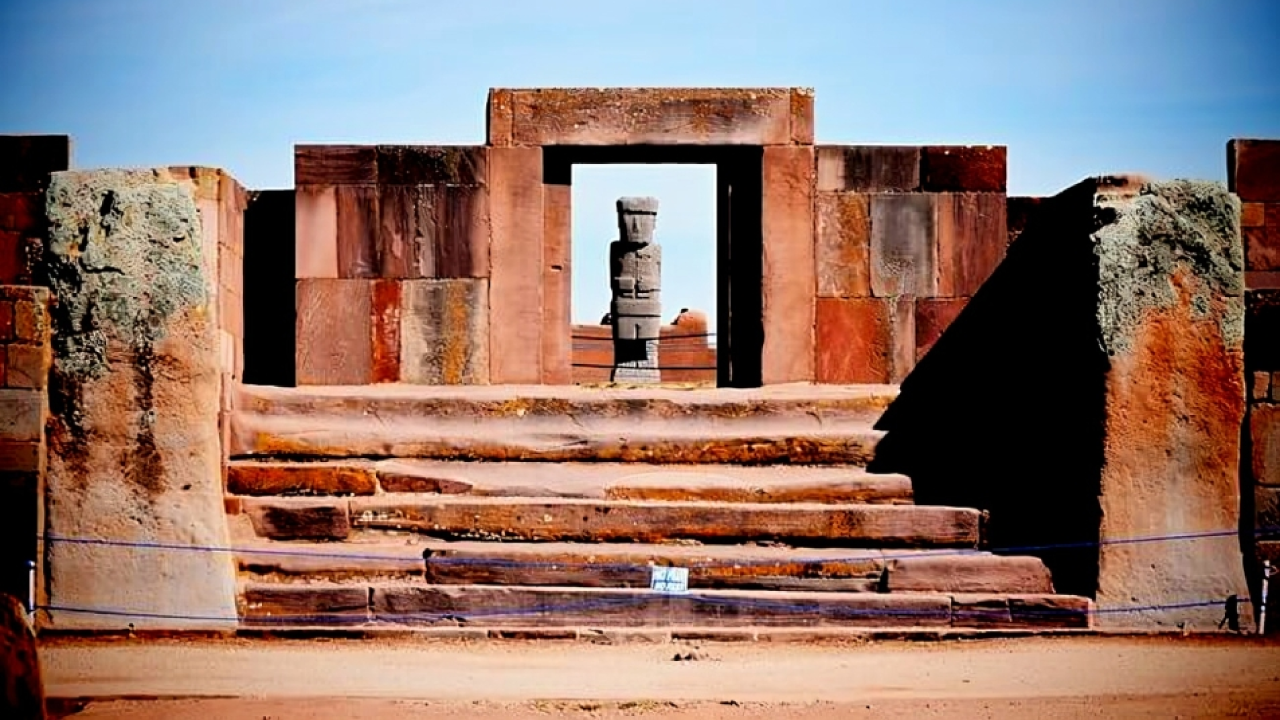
(543, 509)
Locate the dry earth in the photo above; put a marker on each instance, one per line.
(1097, 677)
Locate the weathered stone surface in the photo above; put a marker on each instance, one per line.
(301, 606)
(433, 231)
(843, 245)
(280, 478)
(444, 334)
(802, 116)
(1252, 215)
(1262, 240)
(1170, 311)
(864, 340)
(21, 414)
(21, 682)
(357, 224)
(789, 282)
(646, 116)
(1264, 431)
(1253, 169)
(868, 168)
(960, 168)
(933, 317)
(134, 396)
(1062, 611)
(903, 248)
(499, 118)
(316, 231)
(26, 366)
(557, 274)
(387, 304)
(298, 518)
(967, 573)
(1260, 387)
(335, 165)
(334, 332)
(972, 233)
(19, 456)
(516, 262)
(432, 164)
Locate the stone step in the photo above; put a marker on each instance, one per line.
(489, 605)
(552, 439)
(627, 565)
(573, 520)
(601, 481)
(481, 403)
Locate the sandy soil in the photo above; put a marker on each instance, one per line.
(319, 680)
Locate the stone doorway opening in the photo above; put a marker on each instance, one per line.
(737, 257)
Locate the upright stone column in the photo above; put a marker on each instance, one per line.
(635, 264)
(1170, 317)
(135, 519)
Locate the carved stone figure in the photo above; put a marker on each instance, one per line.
(635, 265)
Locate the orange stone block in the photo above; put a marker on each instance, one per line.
(557, 314)
(316, 233)
(386, 331)
(499, 118)
(802, 116)
(300, 479)
(972, 233)
(789, 284)
(843, 245)
(933, 317)
(334, 332)
(864, 340)
(516, 265)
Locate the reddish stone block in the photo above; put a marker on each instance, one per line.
(432, 164)
(1252, 214)
(499, 118)
(515, 292)
(21, 212)
(1260, 387)
(13, 257)
(6, 320)
(1253, 170)
(557, 312)
(802, 116)
(903, 245)
(1264, 432)
(788, 285)
(357, 207)
(1262, 242)
(27, 160)
(862, 340)
(334, 332)
(335, 165)
(651, 116)
(19, 456)
(386, 331)
(27, 366)
(868, 168)
(933, 317)
(316, 231)
(960, 168)
(972, 233)
(843, 253)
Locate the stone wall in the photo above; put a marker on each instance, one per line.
(1254, 176)
(24, 372)
(904, 237)
(684, 353)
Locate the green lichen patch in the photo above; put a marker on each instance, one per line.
(1179, 228)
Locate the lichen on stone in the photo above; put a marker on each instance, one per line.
(1178, 229)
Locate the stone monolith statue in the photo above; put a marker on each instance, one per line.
(635, 269)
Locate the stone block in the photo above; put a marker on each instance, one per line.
(1253, 170)
(1264, 434)
(1252, 214)
(316, 231)
(499, 118)
(961, 168)
(972, 233)
(1260, 388)
(557, 311)
(432, 164)
(335, 165)
(788, 285)
(13, 257)
(515, 287)
(298, 519)
(868, 168)
(27, 160)
(27, 366)
(648, 116)
(20, 456)
(1266, 511)
(21, 415)
(802, 116)
(386, 306)
(335, 332)
(134, 443)
(31, 320)
(1170, 310)
(277, 478)
(864, 340)
(903, 246)
(22, 213)
(1262, 241)
(357, 225)
(433, 231)
(444, 332)
(843, 252)
(933, 317)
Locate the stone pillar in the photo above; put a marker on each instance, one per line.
(635, 268)
(135, 514)
(1170, 317)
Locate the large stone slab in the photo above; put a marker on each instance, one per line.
(444, 333)
(134, 395)
(1171, 319)
(516, 262)
(788, 283)
(903, 249)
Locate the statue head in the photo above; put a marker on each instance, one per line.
(636, 218)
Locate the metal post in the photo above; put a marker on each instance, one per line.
(1262, 611)
(31, 589)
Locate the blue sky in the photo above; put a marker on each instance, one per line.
(1073, 87)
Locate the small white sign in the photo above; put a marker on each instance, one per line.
(670, 580)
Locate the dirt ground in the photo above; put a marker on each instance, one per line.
(1061, 677)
